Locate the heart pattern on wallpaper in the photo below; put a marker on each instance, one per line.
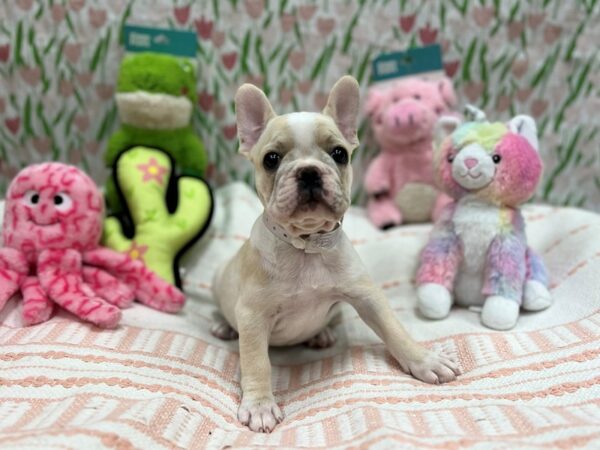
(63, 71)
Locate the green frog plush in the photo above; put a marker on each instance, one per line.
(156, 94)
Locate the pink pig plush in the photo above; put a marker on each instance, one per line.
(399, 180)
(52, 227)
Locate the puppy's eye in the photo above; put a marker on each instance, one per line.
(62, 201)
(417, 97)
(271, 160)
(450, 157)
(339, 155)
(496, 159)
(31, 198)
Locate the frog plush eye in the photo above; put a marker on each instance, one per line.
(31, 198)
(62, 202)
(186, 66)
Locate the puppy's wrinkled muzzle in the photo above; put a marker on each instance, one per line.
(310, 186)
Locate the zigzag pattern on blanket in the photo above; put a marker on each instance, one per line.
(161, 381)
(170, 389)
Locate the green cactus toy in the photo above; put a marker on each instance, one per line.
(164, 214)
(156, 95)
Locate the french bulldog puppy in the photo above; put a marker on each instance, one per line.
(284, 284)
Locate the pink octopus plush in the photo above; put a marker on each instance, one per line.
(399, 180)
(51, 232)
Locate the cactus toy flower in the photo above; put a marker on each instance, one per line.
(165, 213)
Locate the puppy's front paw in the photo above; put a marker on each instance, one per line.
(260, 415)
(223, 330)
(325, 338)
(432, 368)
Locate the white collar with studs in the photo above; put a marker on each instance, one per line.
(312, 243)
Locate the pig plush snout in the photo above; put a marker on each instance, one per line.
(406, 116)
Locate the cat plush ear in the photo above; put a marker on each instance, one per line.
(525, 126)
(444, 127)
(253, 111)
(474, 114)
(342, 106)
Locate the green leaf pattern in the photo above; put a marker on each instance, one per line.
(59, 60)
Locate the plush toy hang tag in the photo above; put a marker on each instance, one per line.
(422, 61)
(173, 42)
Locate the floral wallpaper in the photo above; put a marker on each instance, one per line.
(59, 60)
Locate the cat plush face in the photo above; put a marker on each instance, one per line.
(496, 162)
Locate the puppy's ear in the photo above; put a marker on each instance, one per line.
(525, 126)
(444, 127)
(253, 111)
(342, 106)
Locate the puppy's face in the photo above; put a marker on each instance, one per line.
(302, 160)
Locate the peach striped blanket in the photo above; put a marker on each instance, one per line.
(162, 381)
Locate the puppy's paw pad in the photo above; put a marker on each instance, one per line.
(223, 330)
(434, 369)
(260, 415)
(326, 338)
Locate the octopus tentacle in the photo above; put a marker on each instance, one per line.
(108, 287)
(37, 307)
(13, 270)
(60, 274)
(148, 287)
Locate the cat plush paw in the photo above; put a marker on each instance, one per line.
(499, 313)
(536, 296)
(434, 300)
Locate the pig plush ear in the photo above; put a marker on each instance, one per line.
(342, 107)
(374, 101)
(525, 126)
(253, 111)
(447, 92)
(444, 127)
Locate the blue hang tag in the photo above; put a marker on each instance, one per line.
(174, 42)
(417, 60)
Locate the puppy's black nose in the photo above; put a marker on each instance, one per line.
(309, 179)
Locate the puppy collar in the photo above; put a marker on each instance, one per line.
(312, 243)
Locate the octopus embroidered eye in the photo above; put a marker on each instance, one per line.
(62, 202)
(31, 198)
(496, 159)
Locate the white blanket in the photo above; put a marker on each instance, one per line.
(162, 381)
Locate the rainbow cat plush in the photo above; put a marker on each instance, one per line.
(478, 252)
